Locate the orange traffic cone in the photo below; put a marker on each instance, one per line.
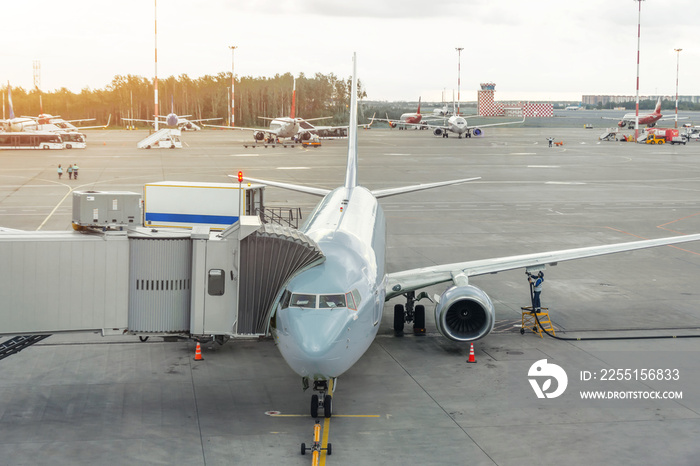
(471, 355)
(198, 353)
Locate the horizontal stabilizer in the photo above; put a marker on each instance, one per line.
(291, 187)
(420, 187)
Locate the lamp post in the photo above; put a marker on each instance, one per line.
(233, 77)
(678, 60)
(459, 73)
(155, 79)
(636, 106)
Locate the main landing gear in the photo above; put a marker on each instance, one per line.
(411, 313)
(323, 401)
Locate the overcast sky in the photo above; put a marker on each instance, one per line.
(535, 50)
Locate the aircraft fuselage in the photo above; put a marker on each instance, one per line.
(327, 316)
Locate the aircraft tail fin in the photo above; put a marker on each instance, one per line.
(657, 109)
(418, 111)
(9, 99)
(351, 169)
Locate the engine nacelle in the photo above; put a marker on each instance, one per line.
(464, 313)
(438, 131)
(622, 124)
(477, 132)
(392, 125)
(305, 136)
(259, 136)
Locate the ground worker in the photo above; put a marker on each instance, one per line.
(536, 282)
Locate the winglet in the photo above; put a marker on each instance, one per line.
(351, 170)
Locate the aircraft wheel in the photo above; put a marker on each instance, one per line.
(419, 320)
(329, 450)
(327, 406)
(398, 319)
(68, 146)
(314, 405)
(303, 448)
(522, 331)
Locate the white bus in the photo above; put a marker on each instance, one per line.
(30, 140)
(73, 140)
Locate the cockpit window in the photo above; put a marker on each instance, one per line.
(303, 300)
(325, 301)
(331, 301)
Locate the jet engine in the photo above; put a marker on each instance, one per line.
(187, 126)
(464, 313)
(259, 136)
(438, 131)
(392, 125)
(305, 136)
(477, 132)
(622, 124)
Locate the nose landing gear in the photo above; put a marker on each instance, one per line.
(322, 401)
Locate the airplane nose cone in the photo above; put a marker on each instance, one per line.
(313, 341)
(318, 332)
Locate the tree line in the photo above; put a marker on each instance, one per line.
(205, 97)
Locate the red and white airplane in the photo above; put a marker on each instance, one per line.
(648, 119)
(406, 119)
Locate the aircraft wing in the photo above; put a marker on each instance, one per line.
(264, 130)
(410, 280)
(672, 118)
(82, 119)
(95, 127)
(138, 119)
(496, 124)
(205, 119)
(292, 187)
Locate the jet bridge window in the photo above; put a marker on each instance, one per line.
(331, 301)
(216, 283)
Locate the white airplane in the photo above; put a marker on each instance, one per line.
(43, 122)
(48, 122)
(458, 124)
(174, 120)
(17, 123)
(326, 316)
(285, 127)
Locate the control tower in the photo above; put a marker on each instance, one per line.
(486, 100)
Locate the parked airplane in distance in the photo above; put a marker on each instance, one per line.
(648, 119)
(43, 122)
(285, 127)
(174, 120)
(326, 316)
(407, 119)
(17, 123)
(458, 124)
(48, 122)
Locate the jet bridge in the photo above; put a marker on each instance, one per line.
(142, 281)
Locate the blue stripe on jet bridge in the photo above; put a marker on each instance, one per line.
(191, 218)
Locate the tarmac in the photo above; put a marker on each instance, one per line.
(86, 399)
